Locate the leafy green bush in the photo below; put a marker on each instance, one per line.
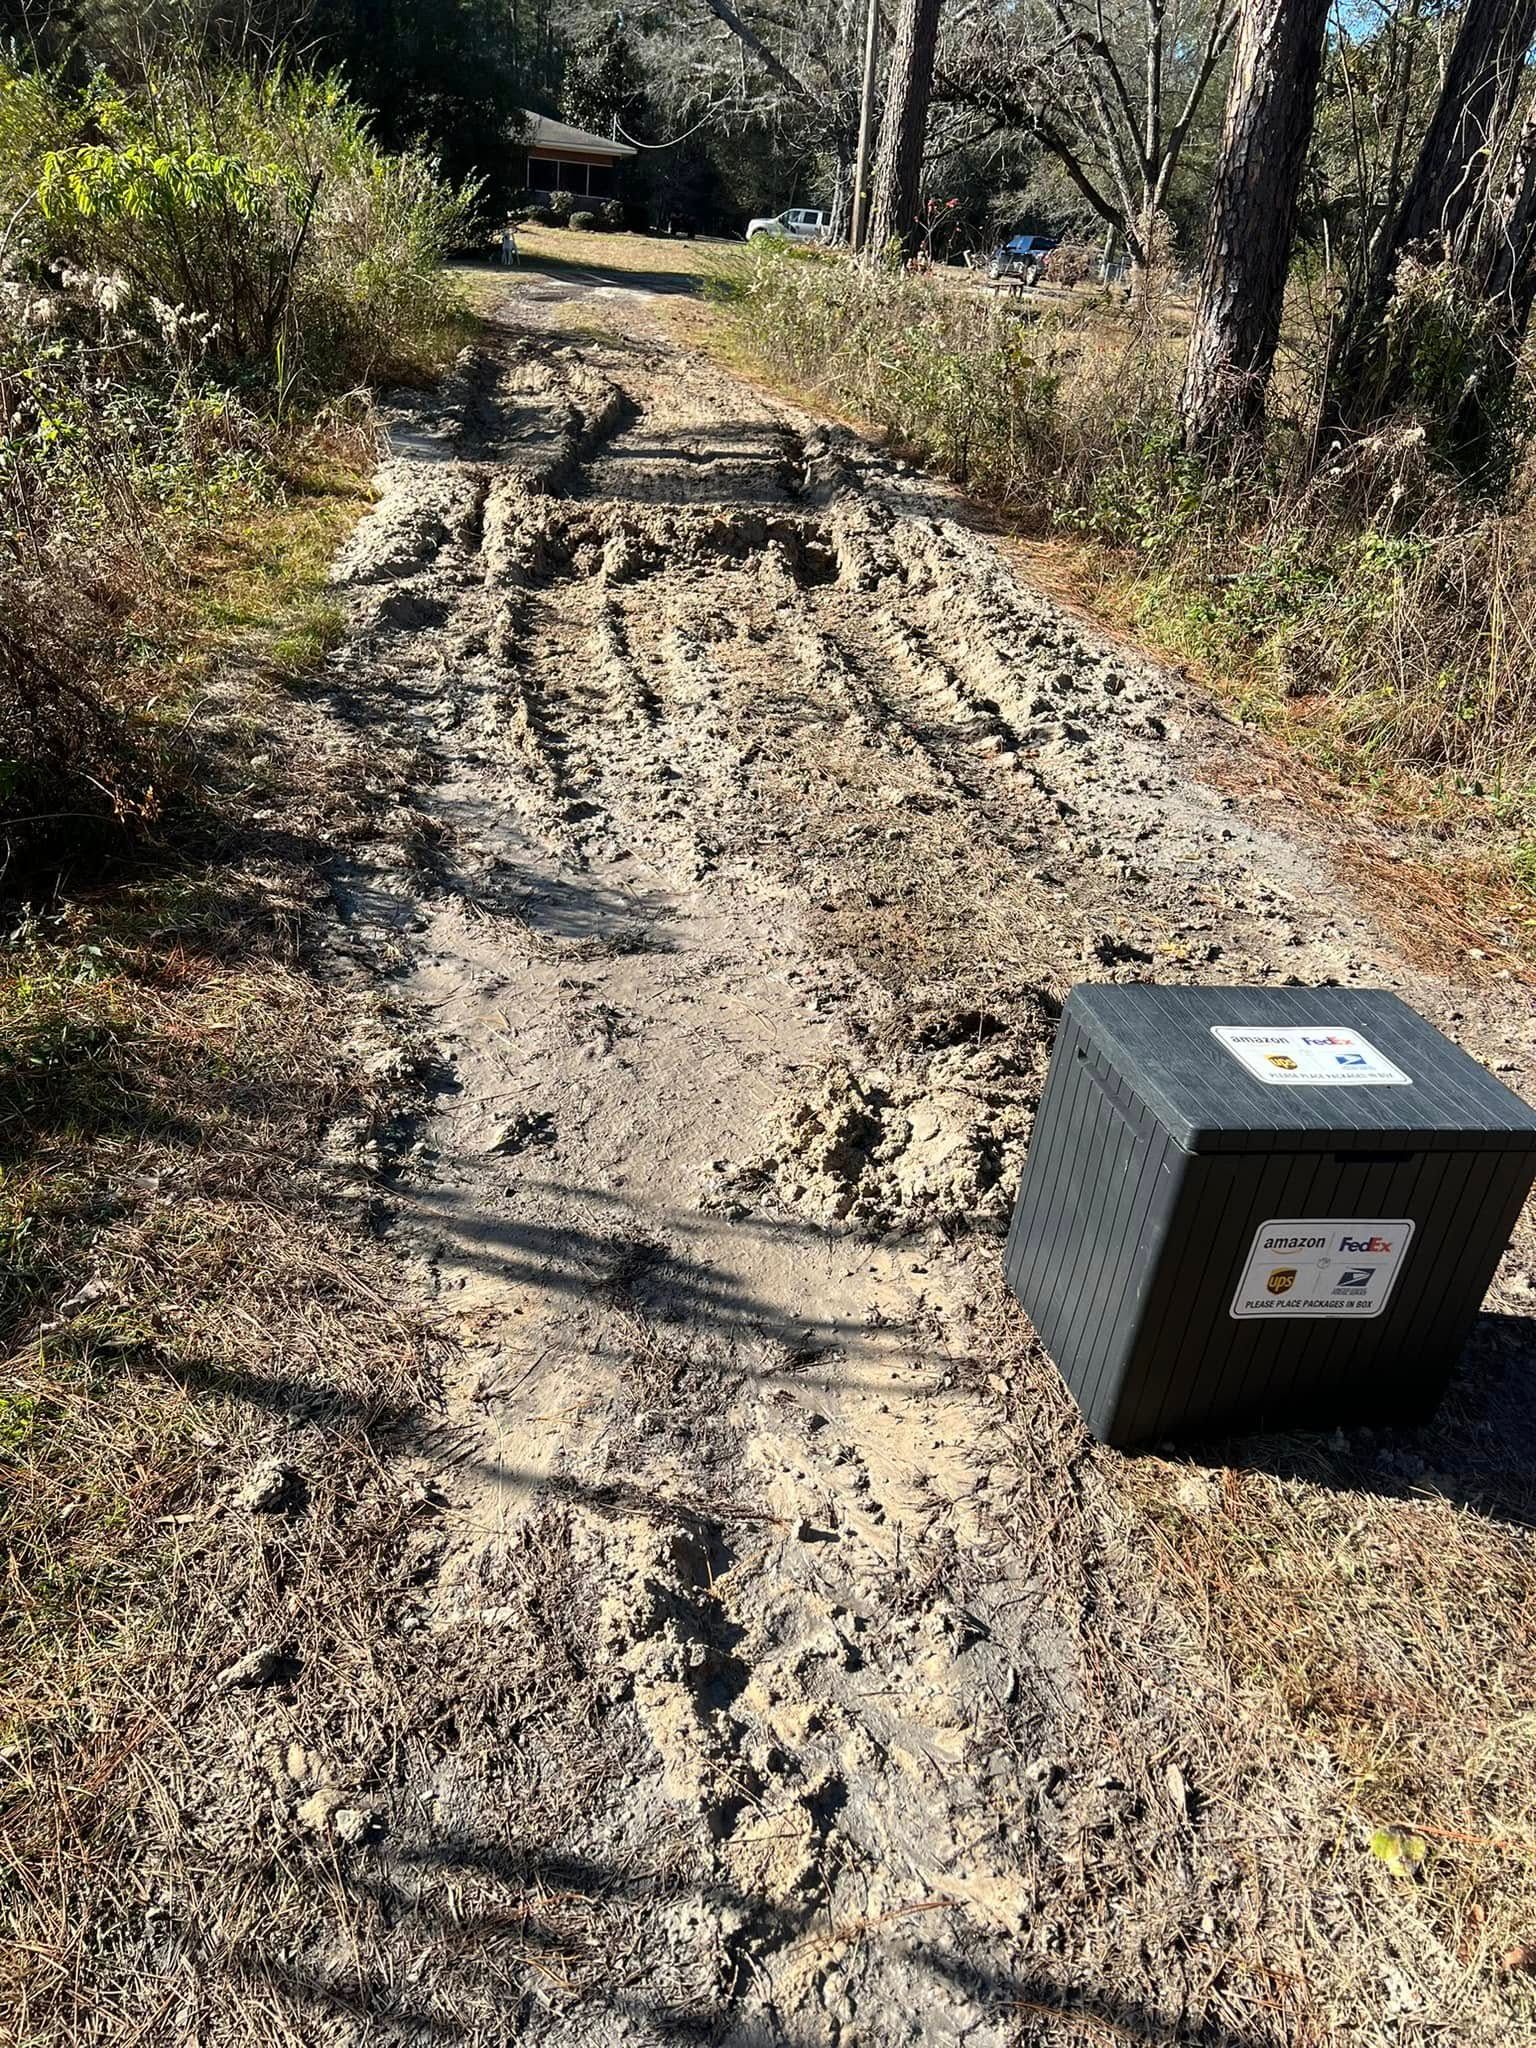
(611, 213)
(258, 214)
(189, 272)
(585, 220)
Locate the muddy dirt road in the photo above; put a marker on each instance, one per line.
(781, 1665)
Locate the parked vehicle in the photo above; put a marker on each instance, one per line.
(799, 224)
(1022, 258)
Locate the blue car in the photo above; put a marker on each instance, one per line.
(1023, 257)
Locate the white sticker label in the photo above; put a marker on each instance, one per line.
(1310, 1056)
(1313, 1266)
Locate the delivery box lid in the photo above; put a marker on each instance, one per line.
(1298, 1069)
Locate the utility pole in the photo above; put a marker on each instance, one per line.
(860, 224)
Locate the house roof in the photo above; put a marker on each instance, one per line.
(546, 134)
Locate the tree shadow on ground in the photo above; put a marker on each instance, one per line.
(419, 1891)
(585, 266)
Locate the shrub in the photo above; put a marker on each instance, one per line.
(262, 212)
(612, 213)
(190, 269)
(76, 774)
(562, 205)
(585, 221)
(1073, 263)
(955, 378)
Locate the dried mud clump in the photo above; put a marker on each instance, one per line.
(894, 1152)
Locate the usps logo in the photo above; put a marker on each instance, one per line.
(1357, 1276)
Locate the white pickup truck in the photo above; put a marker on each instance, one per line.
(799, 224)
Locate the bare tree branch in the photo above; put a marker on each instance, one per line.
(771, 62)
(1222, 29)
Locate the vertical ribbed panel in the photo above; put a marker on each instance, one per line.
(1096, 1196)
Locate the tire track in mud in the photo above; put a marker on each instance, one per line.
(764, 1688)
(765, 1812)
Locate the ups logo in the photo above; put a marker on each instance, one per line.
(1281, 1280)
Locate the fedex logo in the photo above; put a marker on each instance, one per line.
(1329, 1038)
(1379, 1245)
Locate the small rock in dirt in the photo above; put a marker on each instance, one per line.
(267, 1487)
(351, 1825)
(321, 1809)
(258, 1667)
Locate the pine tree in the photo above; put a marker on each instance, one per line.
(1270, 105)
(1446, 197)
(899, 159)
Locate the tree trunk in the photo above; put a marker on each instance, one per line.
(858, 226)
(1268, 125)
(841, 210)
(1449, 184)
(1504, 254)
(1476, 100)
(1498, 251)
(899, 160)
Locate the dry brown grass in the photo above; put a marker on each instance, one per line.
(181, 1297)
(219, 1311)
(1338, 1657)
(1396, 1630)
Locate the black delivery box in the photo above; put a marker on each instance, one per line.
(1251, 1207)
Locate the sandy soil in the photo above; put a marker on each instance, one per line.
(781, 1665)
